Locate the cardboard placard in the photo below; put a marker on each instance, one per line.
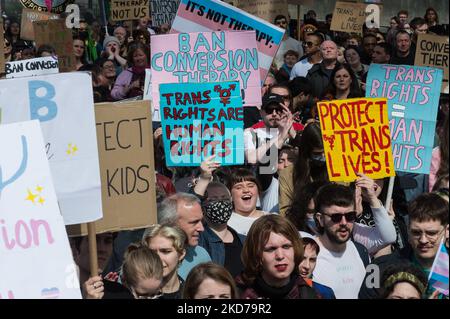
(64, 105)
(433, 50)
(265, 9)
(163, 11)
(129, 9)
(28, 17)
(356, 138)
(215, 15)
(56, 6)
(2, 54)
(207, 57)
(55, 33)
(125, 143)
(31, 67)
(199, 120)
(36, 258)
(348, 17)
(413, 102)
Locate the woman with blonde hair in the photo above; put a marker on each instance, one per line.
(169, 242)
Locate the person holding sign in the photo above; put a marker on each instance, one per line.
(142, 273)
(221, 241)
(272, 254)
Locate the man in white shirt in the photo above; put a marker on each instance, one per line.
(312, 52)
(341, 262)
(287, 43)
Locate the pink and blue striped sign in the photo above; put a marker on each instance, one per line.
(215, 15)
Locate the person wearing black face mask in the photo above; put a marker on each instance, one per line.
(221, 241)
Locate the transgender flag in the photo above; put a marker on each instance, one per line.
(439, 271)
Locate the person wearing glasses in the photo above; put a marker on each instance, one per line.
(287, 43)
(141, 277)
(428, 227)
(312, 56)
(340, 262)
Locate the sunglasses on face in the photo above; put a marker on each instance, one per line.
(308, 44)
(273, 107)
(337, 218)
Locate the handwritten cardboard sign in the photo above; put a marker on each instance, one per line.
(215, 15)
(413, 101)
(163, 11)
(125, 144)
(36, 259)
(265, 9)
(199, 120)
(129, 9)
(54, 32)
(356, 138)
(28, 17)
(433, 50)
(68, 125)
(31, 67)
(348, 17)
(207, 57)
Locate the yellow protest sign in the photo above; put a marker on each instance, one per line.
(356, 138)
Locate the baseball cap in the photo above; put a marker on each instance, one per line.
(272, 101)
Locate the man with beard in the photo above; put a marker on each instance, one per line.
(341, 262)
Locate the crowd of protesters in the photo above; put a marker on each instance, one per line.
(235, 232)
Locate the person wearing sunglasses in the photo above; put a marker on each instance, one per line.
(340, 262)
(311, 46)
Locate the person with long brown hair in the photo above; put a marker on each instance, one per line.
(271, 255)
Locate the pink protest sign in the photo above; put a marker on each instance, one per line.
(207, 57)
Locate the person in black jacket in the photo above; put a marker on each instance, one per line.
(320, 74)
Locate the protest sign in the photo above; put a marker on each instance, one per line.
(31, 67)
(433, 50)
(356, 138)
(207, 57)
(163, 11)
(125, 144)
(68, 125)
(54, 32)
(438, 278)
(348, 17)
(36, 259)
(28, 17)
(129, 9)
(2, 54)
(413, 101)
(199, 120)
(215, 15)
(265, 9)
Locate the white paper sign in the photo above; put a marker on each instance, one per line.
(148, 95)
(35, 256)
(64, 105)
(31, 67)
